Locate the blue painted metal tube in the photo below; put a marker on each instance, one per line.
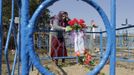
(125, 60)
(19, 36)
(19, 48)
(97, 69)
(30, 27)
(39, 40)
(121, 28)
(35, 60)
(16, 52)
(50, 2)
(8, 38)
(14, 63)
(1, 35)
(24, 22)
(30, 65)
(113, 51)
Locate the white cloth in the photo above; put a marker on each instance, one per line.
(79, 42)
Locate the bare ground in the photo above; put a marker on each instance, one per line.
(121, 69)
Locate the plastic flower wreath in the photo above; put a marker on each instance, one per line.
(76, 24)
(86, 59)
(93, 25)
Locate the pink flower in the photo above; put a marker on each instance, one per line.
(77, 53)
(87, 58)
(87, 61)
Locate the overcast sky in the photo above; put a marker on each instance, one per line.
(79, 9)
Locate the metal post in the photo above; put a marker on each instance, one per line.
(8, 38)
(127, 43)
(1, 35)
(39, 40)
(121, 40)
(24, 23)
(113, 50)
(109, 32)
(19, 37)
(101, 45)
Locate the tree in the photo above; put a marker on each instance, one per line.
(43, 19)
(7, 11)
(42, 22)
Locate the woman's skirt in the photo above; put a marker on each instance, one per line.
(58, 48)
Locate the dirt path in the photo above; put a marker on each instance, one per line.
(75, 70)
(120, 70)
(68, 70)
(81, 70)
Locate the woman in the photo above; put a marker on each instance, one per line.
(58, 24)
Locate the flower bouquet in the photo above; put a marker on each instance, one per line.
(76, 24)
(86, 59)
(93, 24)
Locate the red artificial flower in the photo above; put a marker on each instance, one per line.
(77, 24)
(71, 23)
(75, 21)
(77, 53)
(83, 25)
(81, 21)
(87, 58)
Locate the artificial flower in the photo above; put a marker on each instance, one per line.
(77, 24)
(93, 24)
(68, 28)
(87, 59)
(81, 21)
(77, 53)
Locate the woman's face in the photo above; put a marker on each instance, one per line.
(64, 16)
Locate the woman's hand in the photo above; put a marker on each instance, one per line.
(63, 28)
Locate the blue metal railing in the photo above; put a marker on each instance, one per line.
(27, 30)
(1, 35)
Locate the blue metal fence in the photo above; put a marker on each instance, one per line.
(25, 47)
(1, 35)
